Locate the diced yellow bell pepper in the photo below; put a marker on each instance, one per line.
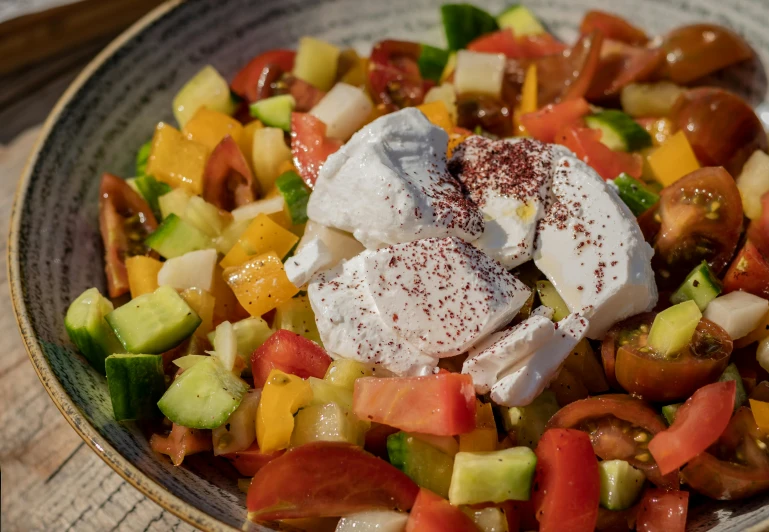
(528, 100)
(176, 160)
(208, 128)
(261, 235)
(247, 139)
(437, 113)
(760, 411)
(203, 303)
(448, 70)
(484, 438)
(260, 284)
(355, 68)
(282, 396)
(673, 160)
(142, 274)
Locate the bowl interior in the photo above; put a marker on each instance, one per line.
(56, 250)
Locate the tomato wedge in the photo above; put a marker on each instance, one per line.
(227, 181)
(310, 146)
(748, 272)
(253, 81)
(249, 462)
(622, 64)
(663, 510)
(698, 424)
(586, 144)
(612, 27)
(545, 123)
(125, 220)
(181, 442)
(394, 77)
(327, 479)
(486, 112)
(432, 513)
(526, 47)
(442, 404)
(290, 353)
(620, 427)
(567, 485)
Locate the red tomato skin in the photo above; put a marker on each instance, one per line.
(698, 425)
(545, 123)
(246, 81)
(227, 181)
(310, 146)
(612, 27)
(663, 511)
(181, 442)
(290, 353)
(586, 144)
(432, 513)
(748, 272)
(527, 47)
(441, 404)
(327, 479)
(567, 485)
(249, 462)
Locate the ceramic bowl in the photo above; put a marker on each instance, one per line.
(110, 110)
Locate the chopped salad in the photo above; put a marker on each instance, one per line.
(507, 284)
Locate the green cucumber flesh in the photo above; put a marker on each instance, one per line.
(142, 156)
(175, 237)
(429, 467)
(550, 297)
(327, 422)
(669, 412)
(621, 484)
(521, 21)
(187, 361)
(731, 373)
(701, 286)
(274, 111)
(204, 396)
(344, 372)
(619, 131)
(323, 392)
(88, 329)
(136, 383)
(432, 61)
(296, 315)
(153, 323)
(529, 422)
(495, 476)
(296, 195)
(673, 328)
(151, 189)
(635, 194)
(464, 23)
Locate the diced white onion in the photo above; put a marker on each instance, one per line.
(738, 313)
(191, 270)
(341, 245)
(252, 210)
(753, 183)
(226, 345)
(373, 521)
(344, 110)
(762, 354)
(479, 73)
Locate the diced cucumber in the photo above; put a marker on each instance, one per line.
(522, 21)
(323, 393)
(464, 23)
(88, 329)
(316, 62)
(135, 382)
(550, 297)
(635, 194)
(208, 89)
(142, 156)
(432, 61)
(650, 99)
(619, 131)
(328, 422)
(153, 323)
(496, 476)
(175, 202)
(669, 412)
(674, 327)
(739, 313)
(621, 484)
(151, 189)
(175, 237)
(422, 463)
(204, 396)
(295, 194)
(296, 315)
(274, 111)
(731, 373)
(701, 286)
(528, 422)
(239, 431)
(487, 519)
(187, 361)
(344, 371)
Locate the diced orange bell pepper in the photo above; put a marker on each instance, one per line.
(226, 305)
(673, 160)
(142, 274)
(208, 128)
(260, 284)
(201, 302)
(282, 396)
(263, 234)
(528, 100)
(484, 438)
(760, 411)
(456, 137)
(246, 142)
(176, 160)
(437, 113)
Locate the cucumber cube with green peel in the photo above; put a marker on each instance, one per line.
(465, 22)
(621, 484)
(669, 412)
(673, 328)
(636, 195)
(426, 465)
(88, 329)
(175, 237)
(701, 286)
(619, 131)
(274, 111)
(731, 373)
(135, 383)
(432, 61)
(495, 476)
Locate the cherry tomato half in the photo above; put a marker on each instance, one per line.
(748, 272)
(227, 181)
(613, 27)
(394, 77)
(254, 80)
(620, 427)
(620, 65)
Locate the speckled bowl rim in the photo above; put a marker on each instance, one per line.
(153, 490)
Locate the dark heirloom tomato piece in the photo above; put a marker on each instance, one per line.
(749, 272)
(327, 479)
(721, 127)
(227, 180)
(393, 76)
(694, 51)
(662, 510)
(737, 466)
(620, 65)
(700, 219)
(125, 220)
(254, 80)
(612, 27)
(632, 364)
(486, 112)
(620, 428)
